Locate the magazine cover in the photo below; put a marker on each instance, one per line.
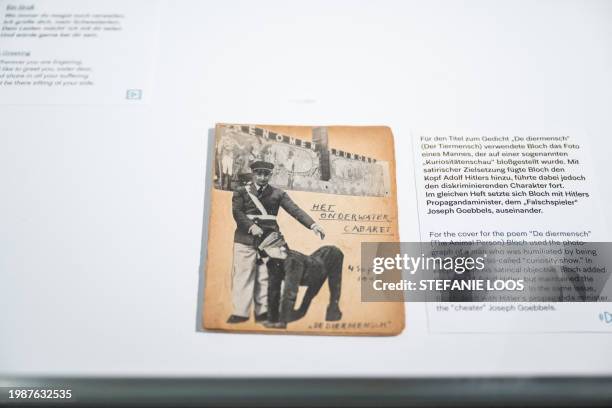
(290, 207)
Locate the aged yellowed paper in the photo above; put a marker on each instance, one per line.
(290, 207)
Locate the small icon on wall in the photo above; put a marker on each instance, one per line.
(133, 94)
(605, 317)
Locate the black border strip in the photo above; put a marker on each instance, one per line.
(322, 392)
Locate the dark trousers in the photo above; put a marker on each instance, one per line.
(276, 274)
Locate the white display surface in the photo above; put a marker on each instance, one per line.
(102, 205)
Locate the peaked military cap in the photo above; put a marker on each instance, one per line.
(261, 165)
(273, 240)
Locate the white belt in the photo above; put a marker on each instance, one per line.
(261, 217)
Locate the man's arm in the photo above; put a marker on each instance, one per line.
(244, 223)
(295, 211)
(294, 270)
(300, 215)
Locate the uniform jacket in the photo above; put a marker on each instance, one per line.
(272, 199)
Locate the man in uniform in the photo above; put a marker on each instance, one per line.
(255, 207)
